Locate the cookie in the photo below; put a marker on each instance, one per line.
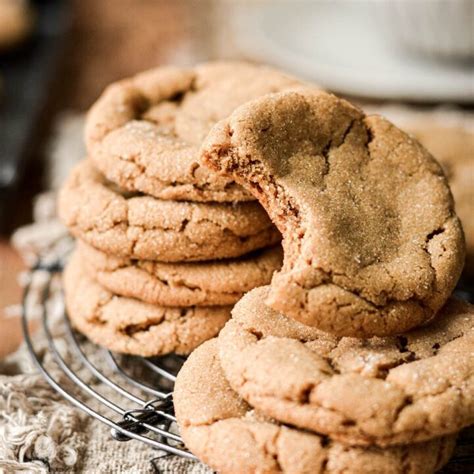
(143, 227)
(144, 132)
(449, 135)
(225, 433)
(16, 22)
(372, 245)
(212, 283)
(382, 391)
(132, 327)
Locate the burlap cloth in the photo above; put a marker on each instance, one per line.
(39, 431)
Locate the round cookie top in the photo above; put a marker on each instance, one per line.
(211, 283)
(383, 391)
(144, 132)
(372, 245)
(143, 227)
(223, 431)
(131, 326)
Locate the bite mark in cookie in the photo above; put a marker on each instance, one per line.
(382, 391)
(223, 431)
(372, 245)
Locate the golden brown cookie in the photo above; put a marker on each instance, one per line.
(130, 326)
(143, 227)
(16, 22)
(382, 391)
(372, 245)
(225, 433)
(211, 283)
(144, 132)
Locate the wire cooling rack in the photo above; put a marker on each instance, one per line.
(146, 411)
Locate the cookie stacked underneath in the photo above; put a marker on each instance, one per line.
(166, 246)
(273, 395)
(356, 358)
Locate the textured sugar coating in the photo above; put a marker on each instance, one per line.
(221, 282)
(132, 327)
(143, 227)
(224, 432)
(144, 132)
(372, 245)
(454, 148)
(378, 391)
(449, 136)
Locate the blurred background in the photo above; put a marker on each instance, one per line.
(411, 59)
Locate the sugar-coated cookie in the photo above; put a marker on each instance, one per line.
(143, 227)
(378, 391)
(225, 433)
(132, 327)
(372, 244)
(221, 282)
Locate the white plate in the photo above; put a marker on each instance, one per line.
(343, 47)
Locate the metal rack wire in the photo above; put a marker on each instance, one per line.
(145, 412)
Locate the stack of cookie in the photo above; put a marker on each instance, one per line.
(355, 358)
(166, 246)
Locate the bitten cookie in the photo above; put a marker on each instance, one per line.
(372, 245)
(182, 284)
(382, 391)
(131, 326)
(223, 431)
(144, 132)
(147, 228)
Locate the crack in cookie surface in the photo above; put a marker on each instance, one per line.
(383, 391)
(227, 434)
(372, 243)
(131, 326)
(449, 136)
(144, 227)
(182, 284)
(144, 132)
